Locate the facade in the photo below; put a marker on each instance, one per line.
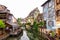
(8, 18)
(40, 17)
(33, 15)
(50, 15)
(57, 9)
(51, 12)
(23, 21)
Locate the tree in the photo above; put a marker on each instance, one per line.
(35, 26)
(34, 33)
(19, 21)
(41, 24)
(2, 26)
(28, 26)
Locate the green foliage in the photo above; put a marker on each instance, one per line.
(19, 21)
(41, 23)
(52, 34)
(2, 25)
(35, 26)
(23, 25)
(34, 33)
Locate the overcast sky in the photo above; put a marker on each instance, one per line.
(21, 8)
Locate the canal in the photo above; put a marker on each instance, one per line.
(14, 37)
(17, 37)
(22, 36)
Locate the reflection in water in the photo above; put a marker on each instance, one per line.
(13, 38)
(24, 36)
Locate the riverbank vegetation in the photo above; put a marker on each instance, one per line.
(34, 32)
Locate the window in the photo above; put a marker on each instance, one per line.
(51, 13)
(10, 19)
(51, 16)
(2, 16)
(49, 9)
(50, 23)
(51, 3)
(45, 11)
(58, 12)
(57, 2)
(45, 7)
(52, 6)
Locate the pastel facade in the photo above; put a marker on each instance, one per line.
(49, 14)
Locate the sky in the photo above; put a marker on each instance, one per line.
(21, 8)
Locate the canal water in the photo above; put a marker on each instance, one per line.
(22, 36)
(14, 37)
